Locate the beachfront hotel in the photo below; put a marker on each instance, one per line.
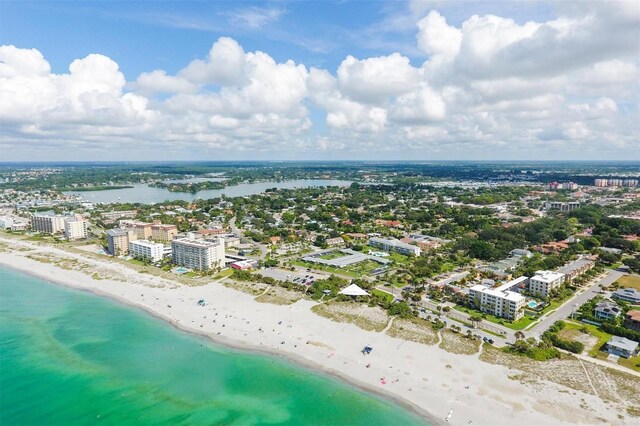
(394, 245)
(501, 301)
(143, 249)
(201, 255)
(545, 281)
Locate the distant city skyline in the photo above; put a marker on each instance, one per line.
(311, 80)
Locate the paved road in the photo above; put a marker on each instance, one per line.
(453, 278)
(463, 316)
(498, 341)
(580, 298)
(264, 250)
(537, 329)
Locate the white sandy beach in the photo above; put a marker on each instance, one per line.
(427, 378)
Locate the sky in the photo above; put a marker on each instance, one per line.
(319, 80)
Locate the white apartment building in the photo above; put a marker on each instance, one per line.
(75, 228)
(6, 222)
(48, 223)
(545, 281)
(196, 254)
(143, 249)
(394, 245)
(496, 301)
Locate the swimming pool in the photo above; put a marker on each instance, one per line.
(180, 270)
(532, 304)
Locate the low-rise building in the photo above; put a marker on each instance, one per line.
(565, 207)
(576, 268)
(356, 236)
(211, 231)
(231, 242)
(632, 320)
(425, 242)
(119, 214)
(6, 222)
(394, 245)
(147, 250)
(545, 281)
(75, 228)
(19, 226)
(520, 253)
(118, 241)
(201, 255)
(244, 265)
(628, 295)
(607, 311)
(497, 301)
(335, 242)
(611, 250)
(621, 346)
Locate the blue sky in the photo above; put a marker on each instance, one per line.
(343, 79)
(147, 35)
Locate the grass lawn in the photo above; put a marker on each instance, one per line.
(521, 324)
(362, 268)
(223, 274)
(603, 338)
(629, 281)
(332, 255)
(325, 268)
(384, 294)
(139, 262)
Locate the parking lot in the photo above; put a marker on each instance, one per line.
(298, 277)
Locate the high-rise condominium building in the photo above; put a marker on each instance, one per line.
(143, 249)
(160, 232)
(118, 241)
(500, 301)
(141, 230)
(48, 223)
(75, 228)
(545, 281)
(198, 254)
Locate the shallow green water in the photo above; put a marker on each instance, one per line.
(69, 358)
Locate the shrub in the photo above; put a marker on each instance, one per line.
(620, 331)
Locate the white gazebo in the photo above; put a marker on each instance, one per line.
(353, 290)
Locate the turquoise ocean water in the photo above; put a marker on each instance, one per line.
(71, 358)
